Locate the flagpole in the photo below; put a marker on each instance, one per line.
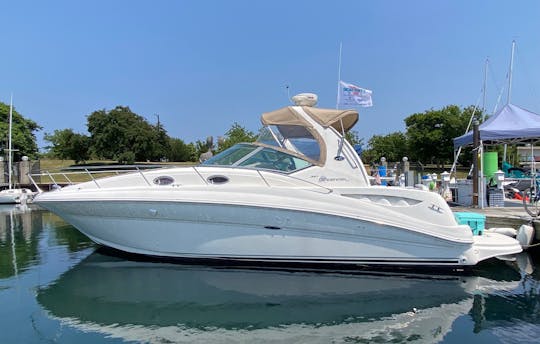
(339, 74)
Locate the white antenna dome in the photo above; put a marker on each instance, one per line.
(305, 99)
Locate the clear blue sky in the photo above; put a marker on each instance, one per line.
(203, 65)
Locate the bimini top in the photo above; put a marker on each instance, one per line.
(325, 117)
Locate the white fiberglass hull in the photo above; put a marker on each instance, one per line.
(198, 230)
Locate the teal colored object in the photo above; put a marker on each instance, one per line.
(476, 221)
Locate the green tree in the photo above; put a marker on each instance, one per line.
(116, 132)
(430, 134)
(66, 144)
(392, 146)
(353, 138)
(23, 137)
(163, 142)
(236, 134)
(180, 151)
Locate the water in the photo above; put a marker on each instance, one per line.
(58, 287)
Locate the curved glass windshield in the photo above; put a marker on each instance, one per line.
(253, 156)
(295, 138)
(232, 155)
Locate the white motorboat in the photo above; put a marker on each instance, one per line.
(17, 195)
(299, 195)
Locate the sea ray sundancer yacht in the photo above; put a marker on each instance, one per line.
(299, 195)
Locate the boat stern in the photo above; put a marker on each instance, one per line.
(490, 245)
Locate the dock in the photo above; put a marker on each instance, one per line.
(513, 214)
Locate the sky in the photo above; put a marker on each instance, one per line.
(203, 65)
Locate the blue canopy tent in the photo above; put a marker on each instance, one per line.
(511, 124)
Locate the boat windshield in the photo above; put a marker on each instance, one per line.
(295, 138)
(251, 155)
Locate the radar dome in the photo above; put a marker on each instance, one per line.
(305, 99)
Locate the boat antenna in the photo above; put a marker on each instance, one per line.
(288, 88)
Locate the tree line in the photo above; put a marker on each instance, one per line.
(428, 137)
(124, 136)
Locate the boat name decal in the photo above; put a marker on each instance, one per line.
(324, 179)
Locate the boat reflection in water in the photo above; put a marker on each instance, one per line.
(161, 302)
(19, 229)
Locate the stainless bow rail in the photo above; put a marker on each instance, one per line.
(75, 175)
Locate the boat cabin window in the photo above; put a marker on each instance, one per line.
(295, 138)
(257, 157)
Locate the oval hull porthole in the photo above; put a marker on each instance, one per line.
(163, 180)
(217, 179)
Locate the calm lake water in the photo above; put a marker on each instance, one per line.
(57, 287)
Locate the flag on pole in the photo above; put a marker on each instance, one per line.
(352, 95)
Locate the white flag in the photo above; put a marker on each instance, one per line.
(351, 95)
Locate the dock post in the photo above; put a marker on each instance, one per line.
(24, 169)
(409, 177)
(476, 147)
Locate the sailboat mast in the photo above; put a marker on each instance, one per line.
(510, 73)
(509, 88)
(9, 140)
(484, 90)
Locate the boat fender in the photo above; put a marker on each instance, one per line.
(511, 232)
(525, 235)
(524, 263)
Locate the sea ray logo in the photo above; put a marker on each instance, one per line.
(324, 179)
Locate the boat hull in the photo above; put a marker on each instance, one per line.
(253, 234)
